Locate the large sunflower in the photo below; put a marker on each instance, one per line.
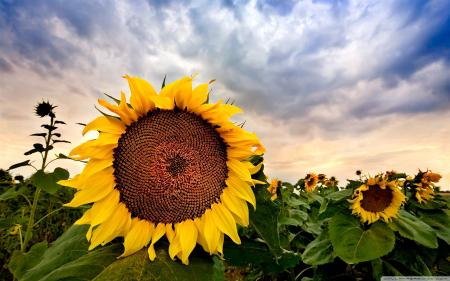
(376, 199)
(169, 163)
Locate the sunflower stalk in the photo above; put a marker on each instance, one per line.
(43, 109)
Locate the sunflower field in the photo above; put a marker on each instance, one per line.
(172, 189)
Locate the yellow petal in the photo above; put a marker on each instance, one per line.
(105, 207)
(85, 218)
(170, 233)
(157, 234)
(253, 169)
(100, 186)
(239, 153)
(200, 224)
(138, 236)
(111, 228)
(114, 108)
(211, 232)
(174, 247)
(199, 96)
(225, 222)
(239, 169)
(183, 93)
(236, 205)
(105, 124)
(75, 182)
(96, 165)
(141, 92)
(188, 238)
(241, 189)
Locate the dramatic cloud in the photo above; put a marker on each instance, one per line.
(329, 85)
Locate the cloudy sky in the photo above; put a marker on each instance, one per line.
(329, 86)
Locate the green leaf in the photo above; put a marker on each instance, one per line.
(323, 206)
(39, 135)
(219, 269)
(413, 228)
(138, 267)
(85, 267)
(39, 147)
(60, 174)
(440, 222)
(313, 196)
(248, 253)
(66, 259)
(340, 195)
(12, 193)
(319, 251)
(290, 221)
(20, 262)
(294, 202)
(31, 151)
(65, 141)
(353, 244)
(48, 181)
(377, 268)
(49, 127)
(113, 98)
(21, 164)
(164, 82)
(353, 184)
(265, 220)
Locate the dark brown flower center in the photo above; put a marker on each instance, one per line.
(170, 166)
(376, 199)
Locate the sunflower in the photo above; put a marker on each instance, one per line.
(424, 193)
(168, 164)
(425, 189)
(376, 199)
(273, 188)
(331, 182)
(311, 181)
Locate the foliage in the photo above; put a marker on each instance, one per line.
(301, 231)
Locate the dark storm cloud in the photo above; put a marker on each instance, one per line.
(284, 58)
(30, 36)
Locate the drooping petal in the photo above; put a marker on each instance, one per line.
(210, 231)
(111, 228)
(241, 189)
(188, 238)
(225, 222)
(236, 205)
(239, 169)
(138, 236)
(157, 234)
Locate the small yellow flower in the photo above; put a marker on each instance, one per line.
(311, 181)
(273, 187)
(15, 230)
(377, 199)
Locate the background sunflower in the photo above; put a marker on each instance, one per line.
(377, 199)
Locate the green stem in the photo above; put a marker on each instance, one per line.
(31, 223)
(54, 211)
(31, 220)
(20, 237)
